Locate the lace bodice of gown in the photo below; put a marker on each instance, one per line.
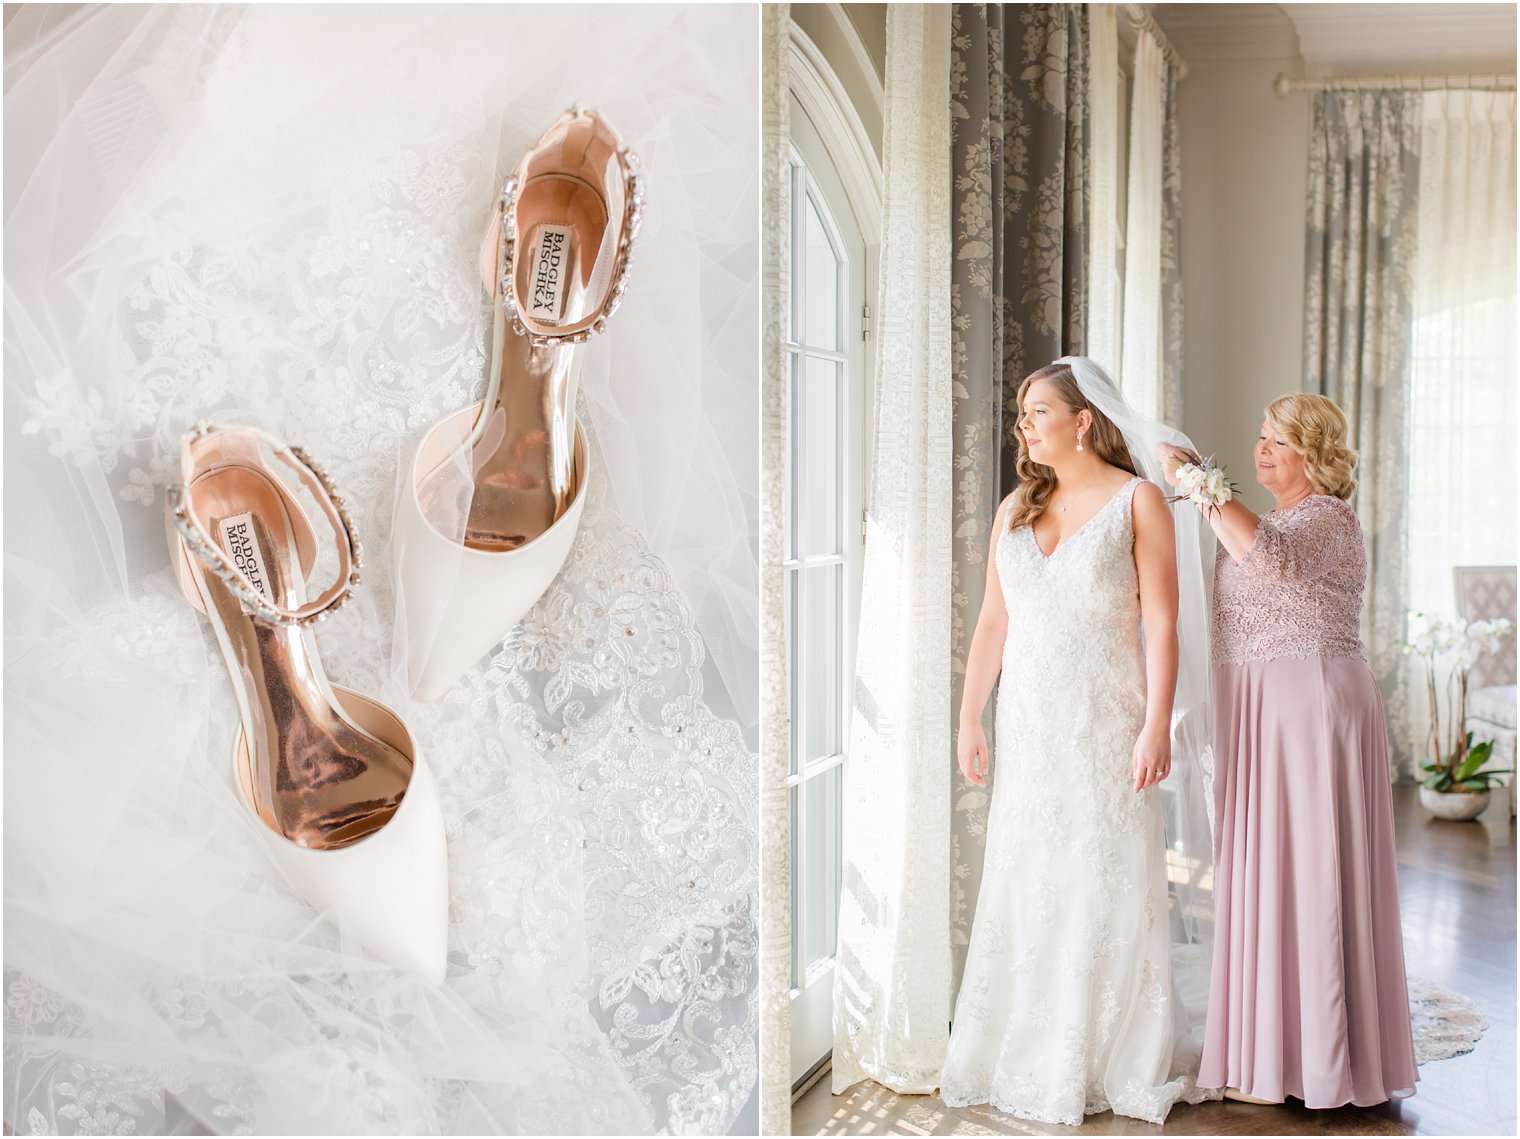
(1073, 641)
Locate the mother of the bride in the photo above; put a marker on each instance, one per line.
(1308, 996)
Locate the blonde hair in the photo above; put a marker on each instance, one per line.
(1037, 482)
(1316, 428)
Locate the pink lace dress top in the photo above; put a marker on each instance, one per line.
(1298, 592)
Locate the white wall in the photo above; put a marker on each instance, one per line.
(1244, 173)
(1244, 182)
(858, 60)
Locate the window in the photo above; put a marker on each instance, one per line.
(826, 409)
(1461, 408)
(1461, 446)
(815, 570)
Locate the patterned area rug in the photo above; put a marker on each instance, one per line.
(1445, 1023)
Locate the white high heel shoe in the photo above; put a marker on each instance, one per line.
(555, 262)
(346, 805)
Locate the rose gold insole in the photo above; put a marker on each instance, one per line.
(524, 454)
(314, 776)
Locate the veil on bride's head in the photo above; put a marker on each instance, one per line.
(1187, 794)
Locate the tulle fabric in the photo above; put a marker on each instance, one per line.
(272, 216)
(1187, 795)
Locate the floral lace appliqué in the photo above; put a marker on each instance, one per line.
(1298, 591)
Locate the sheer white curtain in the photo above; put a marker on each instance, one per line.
(1134, 324)
(1140, 367)
(892, 977)
(775, 845)
(1462, 473)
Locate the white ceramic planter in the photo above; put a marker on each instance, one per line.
(1457, 806)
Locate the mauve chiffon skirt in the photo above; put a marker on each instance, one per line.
(1308, 996)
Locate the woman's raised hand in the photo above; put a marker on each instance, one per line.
(1172, 458)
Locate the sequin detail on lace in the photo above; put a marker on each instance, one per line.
(1298, 592)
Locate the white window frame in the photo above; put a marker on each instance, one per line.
(820, 96)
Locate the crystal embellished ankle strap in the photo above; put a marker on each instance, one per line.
(631, 218)
(240, 444)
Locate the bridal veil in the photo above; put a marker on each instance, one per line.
(1187, 794)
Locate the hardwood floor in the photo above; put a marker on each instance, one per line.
(1457, 898)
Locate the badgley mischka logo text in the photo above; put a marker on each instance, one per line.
(550, 265)
(242, 545)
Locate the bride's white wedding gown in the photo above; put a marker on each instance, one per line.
(1067, 1007)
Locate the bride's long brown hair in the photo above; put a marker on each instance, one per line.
(1037, 482)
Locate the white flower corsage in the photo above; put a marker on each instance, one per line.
(1204, 484)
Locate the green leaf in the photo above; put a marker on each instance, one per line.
(1476, 758)
(1467, 768)
(1438, 781)
(1472, 785)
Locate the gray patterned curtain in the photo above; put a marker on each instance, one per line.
(1019, 207)
(1363, 190)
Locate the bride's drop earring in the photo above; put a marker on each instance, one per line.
(1079, 440)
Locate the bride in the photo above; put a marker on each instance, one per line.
(1068, 1005)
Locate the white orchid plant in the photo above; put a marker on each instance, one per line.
(1461, 644)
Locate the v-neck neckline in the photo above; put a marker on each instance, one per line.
(1113, 498)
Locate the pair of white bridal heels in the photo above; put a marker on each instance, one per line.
(344, 801)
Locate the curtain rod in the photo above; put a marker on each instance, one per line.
(1142, 20)
(1285, 86)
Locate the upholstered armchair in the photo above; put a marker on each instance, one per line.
(1486, 592)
